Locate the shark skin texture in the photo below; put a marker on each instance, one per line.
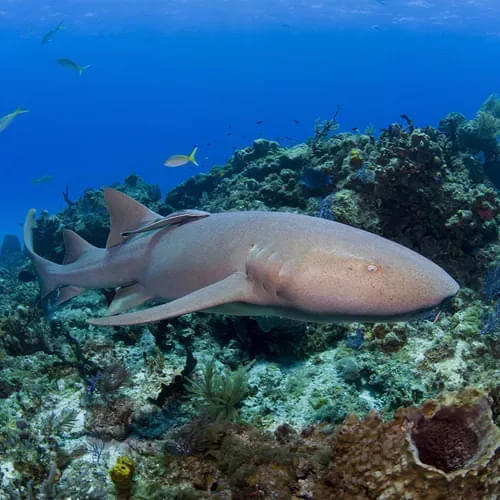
(242, 263)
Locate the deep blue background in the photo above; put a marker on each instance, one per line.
(150, 93)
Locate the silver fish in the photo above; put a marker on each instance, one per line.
(6, 120)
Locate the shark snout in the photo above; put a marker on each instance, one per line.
(432, 285)
(448, 288)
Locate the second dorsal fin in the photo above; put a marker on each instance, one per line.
(125, 214)
(74, 246)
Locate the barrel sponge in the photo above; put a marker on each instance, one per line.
(441, 449)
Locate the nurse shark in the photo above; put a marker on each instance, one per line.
(241, 263)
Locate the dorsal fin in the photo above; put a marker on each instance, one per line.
(125, 214)
(74, 246)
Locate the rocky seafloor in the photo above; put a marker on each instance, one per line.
(213, 406)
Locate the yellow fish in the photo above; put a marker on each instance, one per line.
(179, 160)
(6, 120)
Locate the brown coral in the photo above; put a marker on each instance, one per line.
(442, 449)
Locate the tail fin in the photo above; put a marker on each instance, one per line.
(81, 69)
(192, 158)
(19, 111)
(48, 272)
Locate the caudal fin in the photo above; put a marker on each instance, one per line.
(192, 158)
(48, 272)
(81, 69)
(54, 276)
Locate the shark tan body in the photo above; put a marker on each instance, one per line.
(244, 263)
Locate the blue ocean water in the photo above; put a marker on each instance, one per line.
(165, 76)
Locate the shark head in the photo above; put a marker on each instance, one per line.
(382, 281)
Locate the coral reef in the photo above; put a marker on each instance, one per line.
(268, 416)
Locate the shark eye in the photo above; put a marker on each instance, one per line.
(372, 268)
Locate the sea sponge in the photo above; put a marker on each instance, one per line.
(355, 158)
(441, 449)
(121, 474)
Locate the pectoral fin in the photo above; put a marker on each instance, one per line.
(236, 287)
(126, 298)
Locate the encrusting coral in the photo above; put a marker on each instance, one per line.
(439, 450)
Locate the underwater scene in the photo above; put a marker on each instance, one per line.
(250, 249)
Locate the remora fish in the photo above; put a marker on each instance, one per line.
(243, 263)
(68, 63)
(6, 120)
